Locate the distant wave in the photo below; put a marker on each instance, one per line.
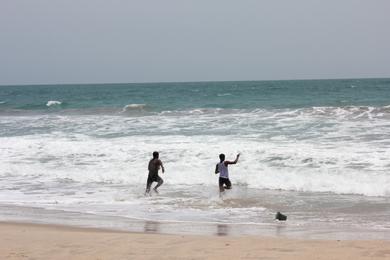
(201, 111)
(53, 103)
(133, 107)
(347, 112)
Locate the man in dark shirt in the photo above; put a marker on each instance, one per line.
(154, 167)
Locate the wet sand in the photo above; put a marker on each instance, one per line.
(35, 241)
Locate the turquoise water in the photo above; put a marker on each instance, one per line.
(185, 96)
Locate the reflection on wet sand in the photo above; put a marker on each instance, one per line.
(151, 227)
(280, 228)
(222, 230)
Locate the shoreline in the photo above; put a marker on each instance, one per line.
(276, 230)
(44, 241)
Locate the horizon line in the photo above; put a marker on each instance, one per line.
(186, 82)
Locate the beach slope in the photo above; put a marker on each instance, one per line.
(32, 241)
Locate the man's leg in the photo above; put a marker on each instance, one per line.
(228, 184)
(160, 181)
(148, 184)
(220, 184)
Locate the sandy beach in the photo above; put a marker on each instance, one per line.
(33, 241)
(194, 130)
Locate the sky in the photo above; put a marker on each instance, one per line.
(123, 41)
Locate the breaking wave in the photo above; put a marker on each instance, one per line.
(51, 103)
(134, 107)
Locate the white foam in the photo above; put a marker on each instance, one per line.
(53, 103)
(75, 167)
(305, 166)
(315, 149)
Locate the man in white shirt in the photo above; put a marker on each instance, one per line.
(222, 169)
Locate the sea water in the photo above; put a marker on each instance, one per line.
(316, 150)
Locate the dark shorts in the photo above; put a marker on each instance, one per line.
(225, 181)
(153, 178)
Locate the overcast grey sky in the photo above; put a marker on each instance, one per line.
(97, 41)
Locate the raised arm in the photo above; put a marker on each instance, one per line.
(233, 162)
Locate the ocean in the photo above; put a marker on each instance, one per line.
(315, 150)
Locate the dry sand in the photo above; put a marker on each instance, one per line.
(32, 241)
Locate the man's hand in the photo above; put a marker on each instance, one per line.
(236, 160)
